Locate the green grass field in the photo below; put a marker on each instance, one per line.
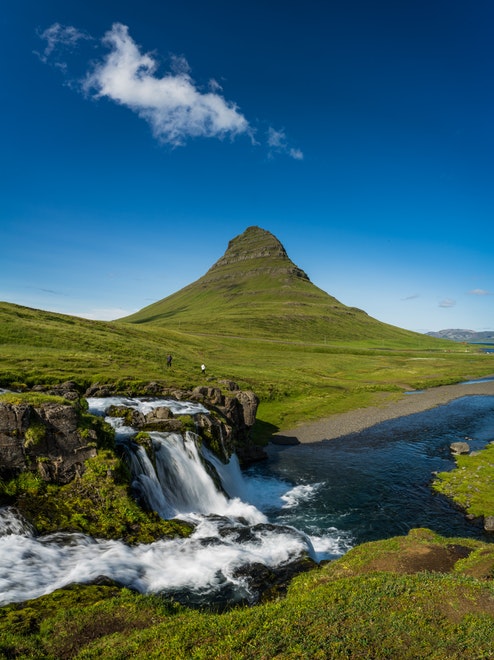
(295, 380)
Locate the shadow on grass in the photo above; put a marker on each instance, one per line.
(262, 432)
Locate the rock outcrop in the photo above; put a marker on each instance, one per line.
(48, 438)
(43, 438)
(230, 421)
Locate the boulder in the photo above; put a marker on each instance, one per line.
(489, 523)
(459, 448)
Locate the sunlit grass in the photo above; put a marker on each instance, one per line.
(471, 483)
(295, 380)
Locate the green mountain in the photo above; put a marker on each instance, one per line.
(255, 290)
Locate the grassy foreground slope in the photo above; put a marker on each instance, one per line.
(413, 597)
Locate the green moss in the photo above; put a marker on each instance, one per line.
(142, 438)
(35, 434)
(30, 398)
(94, 427)
(187, 422)
(98, 504)
(28, 484)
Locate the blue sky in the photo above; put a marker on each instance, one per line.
(138, 138)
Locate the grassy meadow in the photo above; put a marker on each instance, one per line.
(419, 596)
(296, 380)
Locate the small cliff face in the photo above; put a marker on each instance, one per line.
(44, 438)
(229, 423)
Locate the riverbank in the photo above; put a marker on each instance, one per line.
(357, 420)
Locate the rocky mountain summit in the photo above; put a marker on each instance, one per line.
(262, 251)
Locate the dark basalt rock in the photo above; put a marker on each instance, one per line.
(45, 439)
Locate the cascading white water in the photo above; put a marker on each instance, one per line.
(230, 532)
(186, 484)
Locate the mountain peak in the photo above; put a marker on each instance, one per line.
(255, 290)
(262, 249)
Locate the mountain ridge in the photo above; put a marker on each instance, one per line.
(461, 334)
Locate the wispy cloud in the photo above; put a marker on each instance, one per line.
(175, 107)
(60, 35)
(277, 143)
(447, 302)
(479, 292)
(414, 296)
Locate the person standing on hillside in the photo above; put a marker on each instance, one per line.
(203, 368)
(169, 360)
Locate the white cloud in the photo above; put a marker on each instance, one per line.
(414, 296)
(277, 142)
(172, 104)
(479, 292)
(447, 302)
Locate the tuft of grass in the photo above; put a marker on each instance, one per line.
(471, 483)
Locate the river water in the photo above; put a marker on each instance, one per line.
(376, 483)
(315, 500)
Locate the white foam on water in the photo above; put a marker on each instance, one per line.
(99, 405)
(31, 567)
(299, 494)
(331, 545)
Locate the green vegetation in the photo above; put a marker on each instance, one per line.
(471, 483)
(30, 398)
(364, 605)
(34, 435)
(295, 380)
(254, 318)
(98, 503)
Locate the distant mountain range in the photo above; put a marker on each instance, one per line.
(464, 335)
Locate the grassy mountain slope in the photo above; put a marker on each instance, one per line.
(255, 318)
(256, 290)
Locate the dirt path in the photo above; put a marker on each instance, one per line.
(361, 418)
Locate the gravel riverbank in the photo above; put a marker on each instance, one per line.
(362, 418)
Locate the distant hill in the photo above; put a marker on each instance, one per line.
(464, 335)
(255, 290)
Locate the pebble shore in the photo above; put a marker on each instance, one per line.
(356, 420)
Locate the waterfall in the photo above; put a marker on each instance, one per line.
(146, 482)
(216, 563)
(181, 484)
